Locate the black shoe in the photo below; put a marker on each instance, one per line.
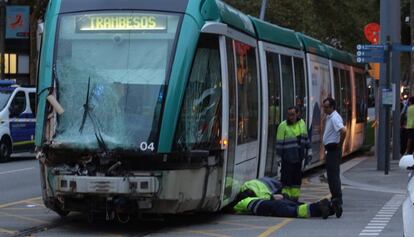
(337, 207)
(325, 205)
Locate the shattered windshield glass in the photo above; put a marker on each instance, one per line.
(114, 65)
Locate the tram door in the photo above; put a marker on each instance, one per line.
(243, 108)
(343, 97)
(319, 88)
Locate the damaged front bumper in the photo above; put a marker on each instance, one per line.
(67, 184)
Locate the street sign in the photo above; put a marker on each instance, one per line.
(362, 47)
(368, 53)
(403, 48)
(370, 60)
(371, 53)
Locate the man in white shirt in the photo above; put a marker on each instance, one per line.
(333, 138)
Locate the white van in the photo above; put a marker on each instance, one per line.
(17, 118)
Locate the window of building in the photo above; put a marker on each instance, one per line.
(10, 63)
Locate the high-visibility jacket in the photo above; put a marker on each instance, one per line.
(263, 189)
(410, 117)
(291, 141)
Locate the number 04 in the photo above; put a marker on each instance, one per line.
(145, 146)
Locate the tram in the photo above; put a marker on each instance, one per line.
(166, 106)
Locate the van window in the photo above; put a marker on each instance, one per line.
(18, 104)
(32, 98)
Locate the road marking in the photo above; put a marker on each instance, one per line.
(19, 202)
(274, 228)
(15, 171)
(23, 218)
(12, 232)
(206, 233)
(241, 225)
(372, 228)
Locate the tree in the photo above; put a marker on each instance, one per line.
(332, 21)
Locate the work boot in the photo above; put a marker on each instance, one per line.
(337, 207)
(325, 206)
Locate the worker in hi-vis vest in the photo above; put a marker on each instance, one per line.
(292, 146)
(263, 197)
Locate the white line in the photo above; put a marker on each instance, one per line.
(383, 216)
(15, 171)
(371, 231)
(379, 221)
(386, 213)
(377, 224)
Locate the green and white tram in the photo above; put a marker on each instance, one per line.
(165, 107)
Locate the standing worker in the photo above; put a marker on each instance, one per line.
(291, 145)
(410, 126)
(333, 138)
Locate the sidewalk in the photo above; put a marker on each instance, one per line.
(362, 173)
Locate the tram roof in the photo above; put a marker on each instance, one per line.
(235, 18)
(91, 5)
(276, 34)
(339, 55)
(314, 46)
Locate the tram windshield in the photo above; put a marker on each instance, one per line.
(110, 70)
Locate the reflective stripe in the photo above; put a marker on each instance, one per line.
(253, 205)
(23, 143)
(23, 120)
(303, 211)
(244, 205)
(290, 146)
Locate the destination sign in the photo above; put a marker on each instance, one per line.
(121, 22)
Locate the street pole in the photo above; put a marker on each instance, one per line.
(383, 140)
(263, 9)
(2, 36)
(395, 31)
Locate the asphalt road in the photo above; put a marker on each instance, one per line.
(366, 213)
(19, 179)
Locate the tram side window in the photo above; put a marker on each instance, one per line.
(361, 98)
(232, 118)
(346, 96)
(345, 101)
(199, 123)
(287, 83)
(273, 75)
(300, 87)
(248, 111)
(338, 89)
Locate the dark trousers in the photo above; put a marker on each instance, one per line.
(279, 208)
(291, 174)
(333, 159)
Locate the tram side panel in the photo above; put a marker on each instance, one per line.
(319, 89)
